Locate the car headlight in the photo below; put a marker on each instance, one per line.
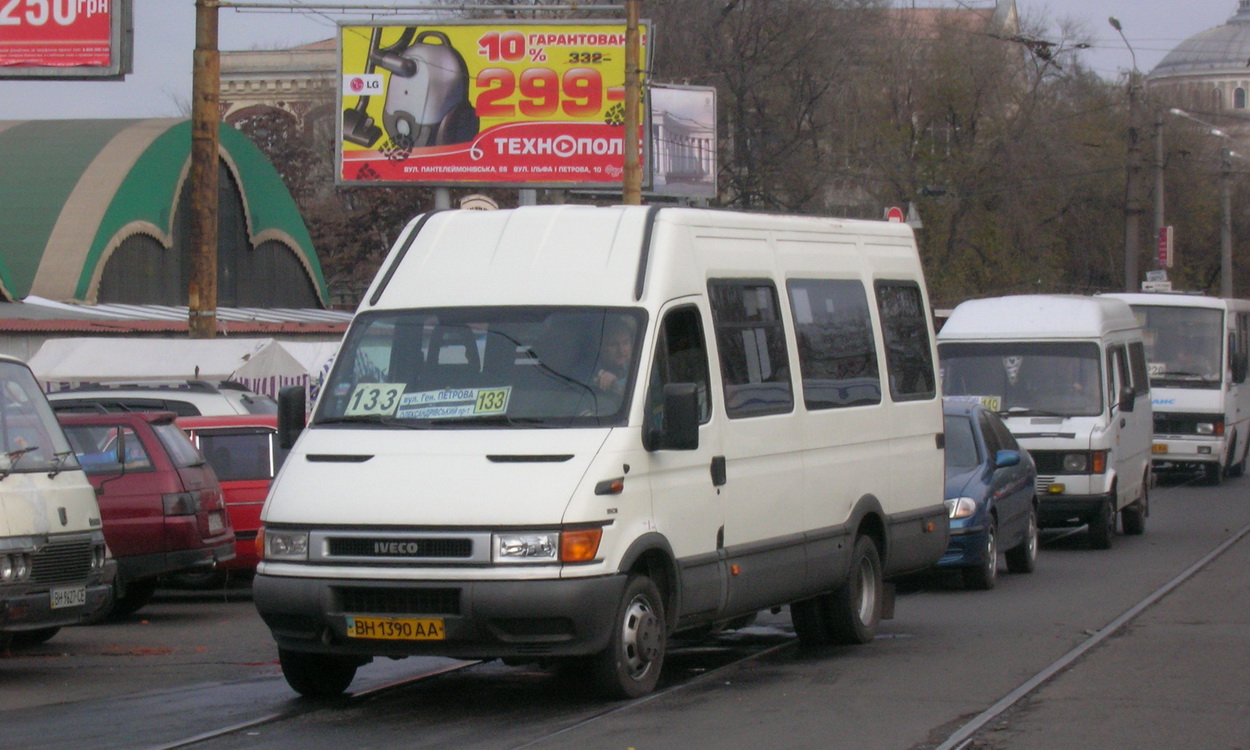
(960, 507)
(525, 547)
(1075, 463)
(1205, 428)
(286, 545)
(6, 568)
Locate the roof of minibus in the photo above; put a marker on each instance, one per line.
(1180, 299)
(572, 254)
(1038, 316)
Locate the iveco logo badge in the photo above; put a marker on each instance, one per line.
(396, 548)
(64, 517)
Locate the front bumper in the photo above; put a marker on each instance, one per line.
(30, 607)
(965, 549)
(481, 619)
(1069, 510)
(1187, 450)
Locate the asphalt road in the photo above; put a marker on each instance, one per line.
(1144, 649)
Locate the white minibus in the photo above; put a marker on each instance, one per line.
(54, 569)
(564, 433)
(1196, 352)
(1068, 376)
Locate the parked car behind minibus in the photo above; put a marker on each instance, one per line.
(244, 453)
(163, 509)
(1067, 374)
(564, 433)
(990, 493)
(53, 559)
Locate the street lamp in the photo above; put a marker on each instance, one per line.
(1226, 210)
(1132, 187)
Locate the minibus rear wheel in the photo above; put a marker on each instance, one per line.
(856, 605)
(316, 675)
(630, 666)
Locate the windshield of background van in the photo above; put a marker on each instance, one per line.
(30, 438)
(485, 367)
(1026, 378)
(1183, 345)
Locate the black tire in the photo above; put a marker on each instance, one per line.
(1234, 468)
(984, 576)
(138, 595)
(317, 675)
(1102, 527)
(630, 666)
(1022, 558)
(1212, 473)
(811, 622)
(32, 638)
(1133, 517)
(856, 606)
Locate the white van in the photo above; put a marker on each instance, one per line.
(561, 432)
(1197, 351)
(53, 569)
(1068, 376)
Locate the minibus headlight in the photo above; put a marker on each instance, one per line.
(1075, 463)
(1205, 428)
(526, 547)
(286, 545)
(960, 507)
(7, 568)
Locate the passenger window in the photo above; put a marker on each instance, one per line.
(908, 354)
(680, 357)
(1117, 362)
(751, 339)
(837, 353)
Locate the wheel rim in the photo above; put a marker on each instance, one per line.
(1031, 544)
(640, 637)
(991, 555)
(867, 592)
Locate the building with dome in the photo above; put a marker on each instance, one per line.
(1209, 72)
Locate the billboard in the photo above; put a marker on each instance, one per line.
(683, 141)
(66, 38)
(538, 105)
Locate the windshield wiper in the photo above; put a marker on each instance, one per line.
(493, 420)
(380, 420)
(58, 462)
(15, 456)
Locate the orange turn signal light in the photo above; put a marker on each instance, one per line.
(580, 545)
(260, 543)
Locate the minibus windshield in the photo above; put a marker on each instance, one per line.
(484, 367)
(1020, 378)
(1183, 345)
(31, 440)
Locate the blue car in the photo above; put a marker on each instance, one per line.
(990, 494)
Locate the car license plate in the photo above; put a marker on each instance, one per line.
(396, 628)
(1159, 448)
(215, 523)
(74, 596)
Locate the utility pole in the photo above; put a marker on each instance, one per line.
(631, 188)
(1159, 156)
(205, 113)
(1226, 223)
(1132, 192)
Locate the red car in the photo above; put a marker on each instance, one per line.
(162, 507)
(244, 452)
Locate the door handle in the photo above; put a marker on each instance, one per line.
(718, 471)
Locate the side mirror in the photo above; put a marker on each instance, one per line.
(1128, 397)
(291, 414)
(679, 422)
(1005, 458)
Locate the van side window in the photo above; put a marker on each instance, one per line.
(1137, 364)
(752, 343)
(837, 353)
(1239, 348)
(904, 326)
(680, 357)
(1117, 361)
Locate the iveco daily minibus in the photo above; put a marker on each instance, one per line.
(564, 433)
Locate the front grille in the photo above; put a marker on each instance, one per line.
(1178, 423)
(1043, 484)
(61, 562)
(1049, 462)
(424, 547)
(399, 601)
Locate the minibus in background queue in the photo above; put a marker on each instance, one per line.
(561, 434)
(54, 566)
(1197, 351)
(1067, 374)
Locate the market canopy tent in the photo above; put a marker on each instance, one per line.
(263, 364)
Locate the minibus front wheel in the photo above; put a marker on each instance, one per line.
(317, 675)
(630, 666)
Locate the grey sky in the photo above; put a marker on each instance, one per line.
(165, 37)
